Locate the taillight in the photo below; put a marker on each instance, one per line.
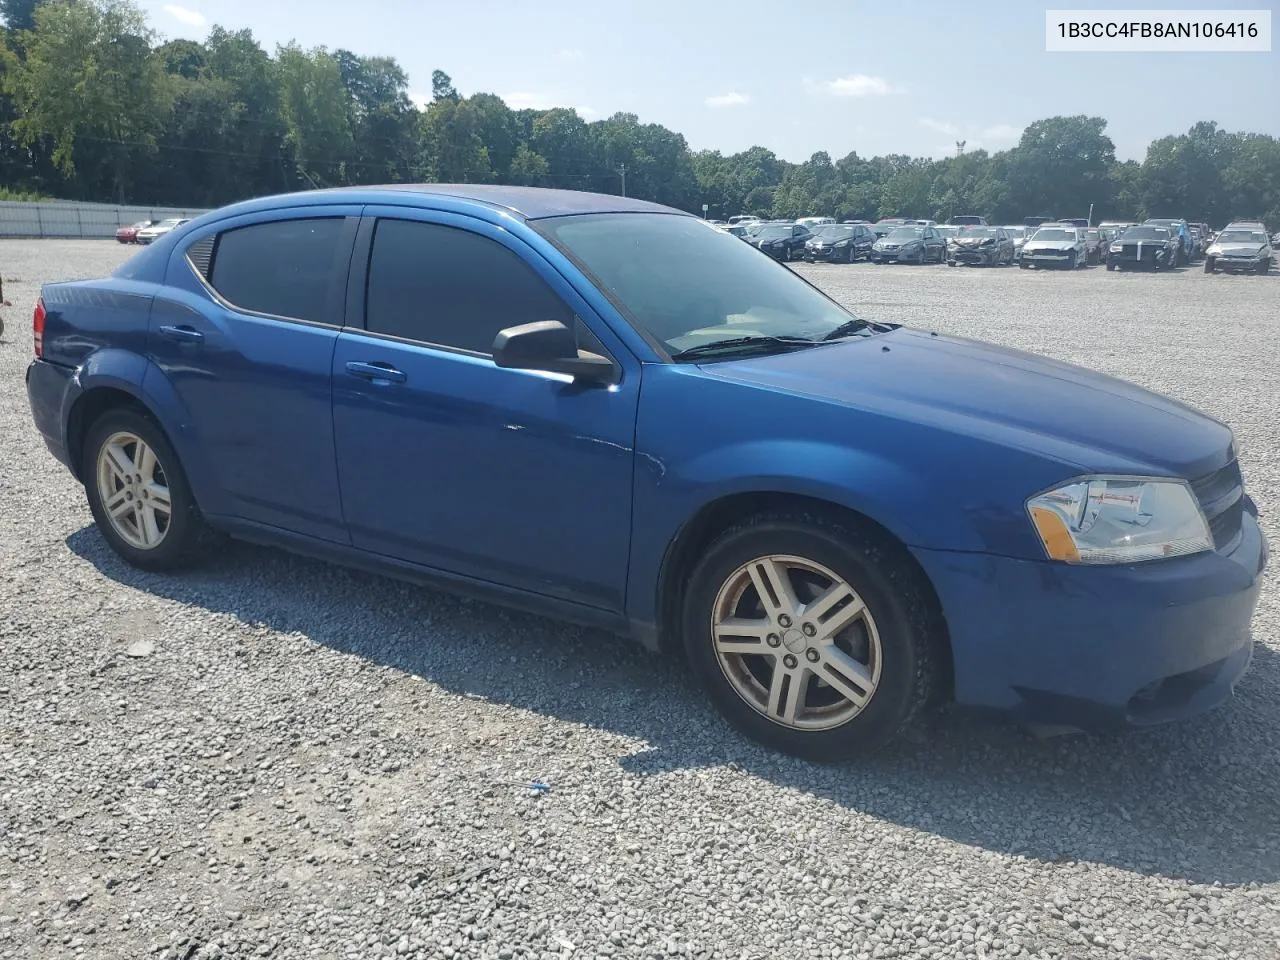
(37, 326)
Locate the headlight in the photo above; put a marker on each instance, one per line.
(841, 243)
(910, 243)
(1116, 248)
(1099, 520)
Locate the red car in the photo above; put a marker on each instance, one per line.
(129, 234)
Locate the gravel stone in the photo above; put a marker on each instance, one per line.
(315, 763)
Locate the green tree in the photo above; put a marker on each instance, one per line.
(313, 103)
(1062, 165)
(90, 87)
(528, 169)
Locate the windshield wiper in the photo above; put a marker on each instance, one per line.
(857, 325)
(738, 343)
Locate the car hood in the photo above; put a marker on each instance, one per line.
(1075, 415)
(1049, 244)
(1229, 249)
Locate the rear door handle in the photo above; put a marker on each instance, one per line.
(183, 334)
(376, 372)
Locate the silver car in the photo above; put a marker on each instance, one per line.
(1240, 248)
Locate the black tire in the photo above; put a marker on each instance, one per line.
(1023, 265)
(1111, 266)
(1209, 265)
(1263, 267)
(1075, 261)
(186, 532)
(907, 622)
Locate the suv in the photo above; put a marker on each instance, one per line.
(599, 409)
(1055, 245)
(967, 221)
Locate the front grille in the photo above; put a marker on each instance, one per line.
(1221, 496)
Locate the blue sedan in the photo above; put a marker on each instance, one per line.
(608, 411)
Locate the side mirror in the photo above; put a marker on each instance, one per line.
(550, 346)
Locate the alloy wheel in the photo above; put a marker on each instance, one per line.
(134, 491)
(796, 642)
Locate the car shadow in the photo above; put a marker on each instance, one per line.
(1194, 801)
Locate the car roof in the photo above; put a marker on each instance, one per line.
(529, 203)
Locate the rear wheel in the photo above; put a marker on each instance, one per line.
(810, 636)
(138, 493)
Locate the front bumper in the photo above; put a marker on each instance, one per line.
(972, 255)
(826, 253)
(1045, 258)
(1100, 648)
(895, 256)
(48, 385)
(1236, 264)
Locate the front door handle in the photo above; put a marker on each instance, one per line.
(182, 334)
(376, 372)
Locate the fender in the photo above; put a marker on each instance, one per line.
(668, 497)
(141, 379)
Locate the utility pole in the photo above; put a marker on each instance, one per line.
(622, 169)
(960, 147)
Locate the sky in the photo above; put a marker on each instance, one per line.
(906, 76)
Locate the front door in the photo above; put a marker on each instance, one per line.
(446, 460)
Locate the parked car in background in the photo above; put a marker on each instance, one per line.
(967, 220)
(1055, 245)
(1034, 222)
(910, 244)
(814, 222)
(1144, 246)
(1018, 235)
(980, 246)
(742, 218)
(834, 521)
(1240, 248)
(782, 241)
(129, 234)
(1186, 248)
(946, 231)
(882, 227)
(1081, 222)
(845, 242)
(737, 229)
(157, 230)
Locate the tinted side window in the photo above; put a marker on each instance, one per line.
(451, 287)
(284, 268)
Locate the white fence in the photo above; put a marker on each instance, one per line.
(66, 218)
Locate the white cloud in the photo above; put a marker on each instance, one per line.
(857, 85)
(727, 100)
(569, 54)
(524, 100)
(950, 129)
(192, 18)
(420, 100)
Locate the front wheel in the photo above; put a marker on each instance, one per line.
(1209, 265)
(138, 493)
(1075, 261)
(812, 637)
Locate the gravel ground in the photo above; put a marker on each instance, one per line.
(275, 757)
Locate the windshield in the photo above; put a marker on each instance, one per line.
(688, 285)
(905, 233)
(773, 233)
(1054, 233)
(833, 231)
(1145, 233)
(947, 231)
(170, 223)
(1241, 236)
(978, 232)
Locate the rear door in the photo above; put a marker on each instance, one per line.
(244, 332)
(513, 477)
